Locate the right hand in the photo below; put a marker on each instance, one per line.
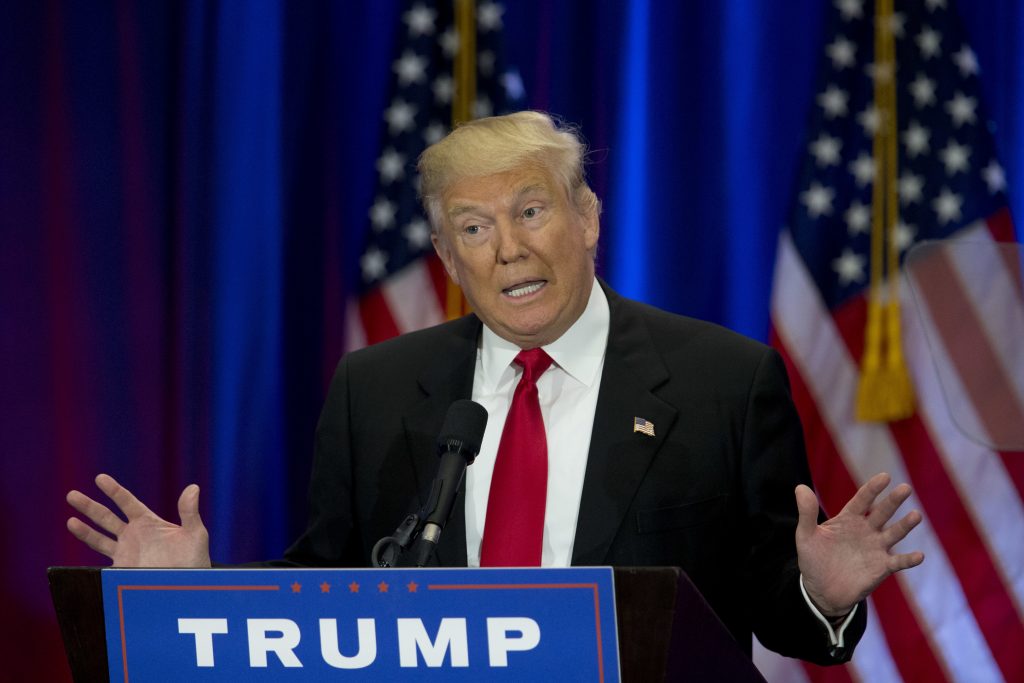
(145, 540)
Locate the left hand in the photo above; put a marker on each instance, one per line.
(845, 558)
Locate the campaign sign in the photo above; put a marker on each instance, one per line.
(360, 624)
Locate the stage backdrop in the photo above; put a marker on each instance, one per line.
(184, 189)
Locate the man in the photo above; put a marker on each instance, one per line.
(662, 440)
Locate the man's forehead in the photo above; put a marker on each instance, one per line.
(498, 188)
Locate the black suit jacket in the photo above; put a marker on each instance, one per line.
(711, 492)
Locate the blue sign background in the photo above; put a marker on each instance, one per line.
(571, 607)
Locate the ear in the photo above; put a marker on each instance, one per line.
(591, 230)
(444, 252)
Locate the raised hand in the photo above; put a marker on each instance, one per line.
(845, 558)
(144, 540)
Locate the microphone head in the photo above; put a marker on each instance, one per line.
(463, 428)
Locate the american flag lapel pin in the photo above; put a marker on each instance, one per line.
(643, 426)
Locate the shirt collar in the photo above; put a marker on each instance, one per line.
(579, 352)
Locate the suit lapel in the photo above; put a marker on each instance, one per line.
(619, 457)
(447, 380)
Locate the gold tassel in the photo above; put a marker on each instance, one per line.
(884, 392)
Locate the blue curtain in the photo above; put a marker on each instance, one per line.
(183, 198)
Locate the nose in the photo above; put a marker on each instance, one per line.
(511, 247)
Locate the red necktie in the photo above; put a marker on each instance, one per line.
(514, 527)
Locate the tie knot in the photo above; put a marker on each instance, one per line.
(534, 362)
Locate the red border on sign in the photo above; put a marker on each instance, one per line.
(120, 605)
(533, 586)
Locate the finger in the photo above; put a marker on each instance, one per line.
(807, 507)
(131, 506)
(898, 563)
(882, 512)
(92, 538)
(898, 531)
(188, 508)
(866, 494)
(99, 514)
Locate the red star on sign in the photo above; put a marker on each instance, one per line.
(296, 587)
(325, 587)
(353, 587)
(412, 586)
(382, 587)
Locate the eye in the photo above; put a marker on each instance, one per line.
(472, 229)
(531, 212)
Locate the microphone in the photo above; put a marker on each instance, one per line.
(457, 445)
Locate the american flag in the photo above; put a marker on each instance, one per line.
(403, 286)
(959, 615)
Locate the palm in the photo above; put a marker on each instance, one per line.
(144, 540)
(844, 559)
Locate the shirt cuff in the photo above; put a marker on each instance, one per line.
(835, 633)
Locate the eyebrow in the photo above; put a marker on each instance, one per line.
(457, 211)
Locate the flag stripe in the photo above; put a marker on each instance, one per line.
(375, 315)
(408, 297)
(814, 344)
(898, 619)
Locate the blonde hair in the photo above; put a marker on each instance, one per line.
(501, 143)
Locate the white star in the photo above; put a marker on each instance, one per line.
(961, 108)
(411, 68)
(485, 63)
(818, 200)
(390, 165)
(434, 132)
(915, 139)
(482, 108)
(400, 116)
(826, 150)
(420, 20)
(374, 264)
(881, 73)
(863, 169)
(417, 233)
(910, 188)
(444, 89)
(513, 85)
(935, 4)
(450, 42)
(922, 89)
(896, 21)
(488, 16)
(966, 61)
(849, 267)
(858, 219)
(382, 214)
(954, 157)
(903, 235)
(929, 42)
(870, 119)
(947, 206)
(842, 52)
(850, 9)
(833, 101)
(994, 177)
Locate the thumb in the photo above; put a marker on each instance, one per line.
(188, 508)
(807, 507)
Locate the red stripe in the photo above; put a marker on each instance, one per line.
(911, 647)
(968, 555)
(375, 313)
(439, 278)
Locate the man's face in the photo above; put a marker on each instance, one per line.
(520, 251)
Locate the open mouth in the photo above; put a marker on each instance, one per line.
(524, 289)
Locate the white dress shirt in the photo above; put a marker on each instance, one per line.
(568, 401)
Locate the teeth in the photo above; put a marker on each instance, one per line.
(523, 290)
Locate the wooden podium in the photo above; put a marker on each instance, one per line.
(667, 632)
